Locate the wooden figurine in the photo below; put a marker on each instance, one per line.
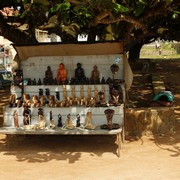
(61, 74)
(48, 80)
(73, 93)
(78, 121)
(64, 92)
(35, 101)
(88, 121)
(69, 124)
(42, 122)
(51, 100)
(95, 79)
(52, 123)
(82, 92)
(79, 74)
(26, 115)
(16, 121)
(60, 121)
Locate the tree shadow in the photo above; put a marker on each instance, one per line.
(44, 148)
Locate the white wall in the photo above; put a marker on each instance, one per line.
(35, 67)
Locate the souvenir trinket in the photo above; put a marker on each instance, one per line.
(52, 123)
(95, 75)
(78, 121)
(88, 121)
(79, 74)
(26, 115)
(48, 80)
(61, 74)
(109, 115)
(16, 121)
(60, 121)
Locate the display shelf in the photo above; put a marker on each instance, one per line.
(34, 64)
(98, 116)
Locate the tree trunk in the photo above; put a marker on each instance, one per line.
(134, 52)
(92, 34)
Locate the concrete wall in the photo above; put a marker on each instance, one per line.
(159, 120)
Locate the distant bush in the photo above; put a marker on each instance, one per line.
(176, 46)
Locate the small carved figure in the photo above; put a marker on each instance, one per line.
(42, 122)
(18, 76)
(103, 81)
(104, 91)
(82, 92)
(78, 121)
(40, 92)
(51, 100)
(114, 69)
(88, 121)
(16, 122)
(39, 82)
(92, 102)
(61, 74)
(42, 100)
(79, 74)
(12, 100)
(115, 95)
(89, 92)
(34, 81)
(64, 92)
(48, 76)
(26, 99)
(18, 102)
(47, 92)
(95, 75)
(62, 103)
(96, 93)
(69, 124)
(26, 115)
(60, 121)
(57, 95)
(109, 115)
(69, 102)
(52, 123)
(35, 101)
(102, 101)
(73, 93)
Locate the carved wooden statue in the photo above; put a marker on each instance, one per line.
(61, 74)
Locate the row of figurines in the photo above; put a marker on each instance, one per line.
(68, 123)
(97, 100)
(61, 77)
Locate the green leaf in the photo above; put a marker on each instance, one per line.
(43, 2)
(63, 6)
(120, 8)
(139, 10)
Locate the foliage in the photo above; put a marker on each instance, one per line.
(176, 46)
(135, 21)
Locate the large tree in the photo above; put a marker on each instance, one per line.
(136, 22)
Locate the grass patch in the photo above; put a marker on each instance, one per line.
(167, 52)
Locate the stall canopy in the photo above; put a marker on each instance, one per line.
(59, 49)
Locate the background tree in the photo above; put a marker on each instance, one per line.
(136, 22)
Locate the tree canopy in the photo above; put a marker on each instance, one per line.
(136, 22)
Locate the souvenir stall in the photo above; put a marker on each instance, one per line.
(68, 89)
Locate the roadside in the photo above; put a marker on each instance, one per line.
(94, 157)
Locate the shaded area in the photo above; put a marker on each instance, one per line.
(39, 149)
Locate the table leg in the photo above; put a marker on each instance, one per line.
(119, 143)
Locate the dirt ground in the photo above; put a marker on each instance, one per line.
(94, 157)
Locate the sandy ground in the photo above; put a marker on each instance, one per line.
(90, 157)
